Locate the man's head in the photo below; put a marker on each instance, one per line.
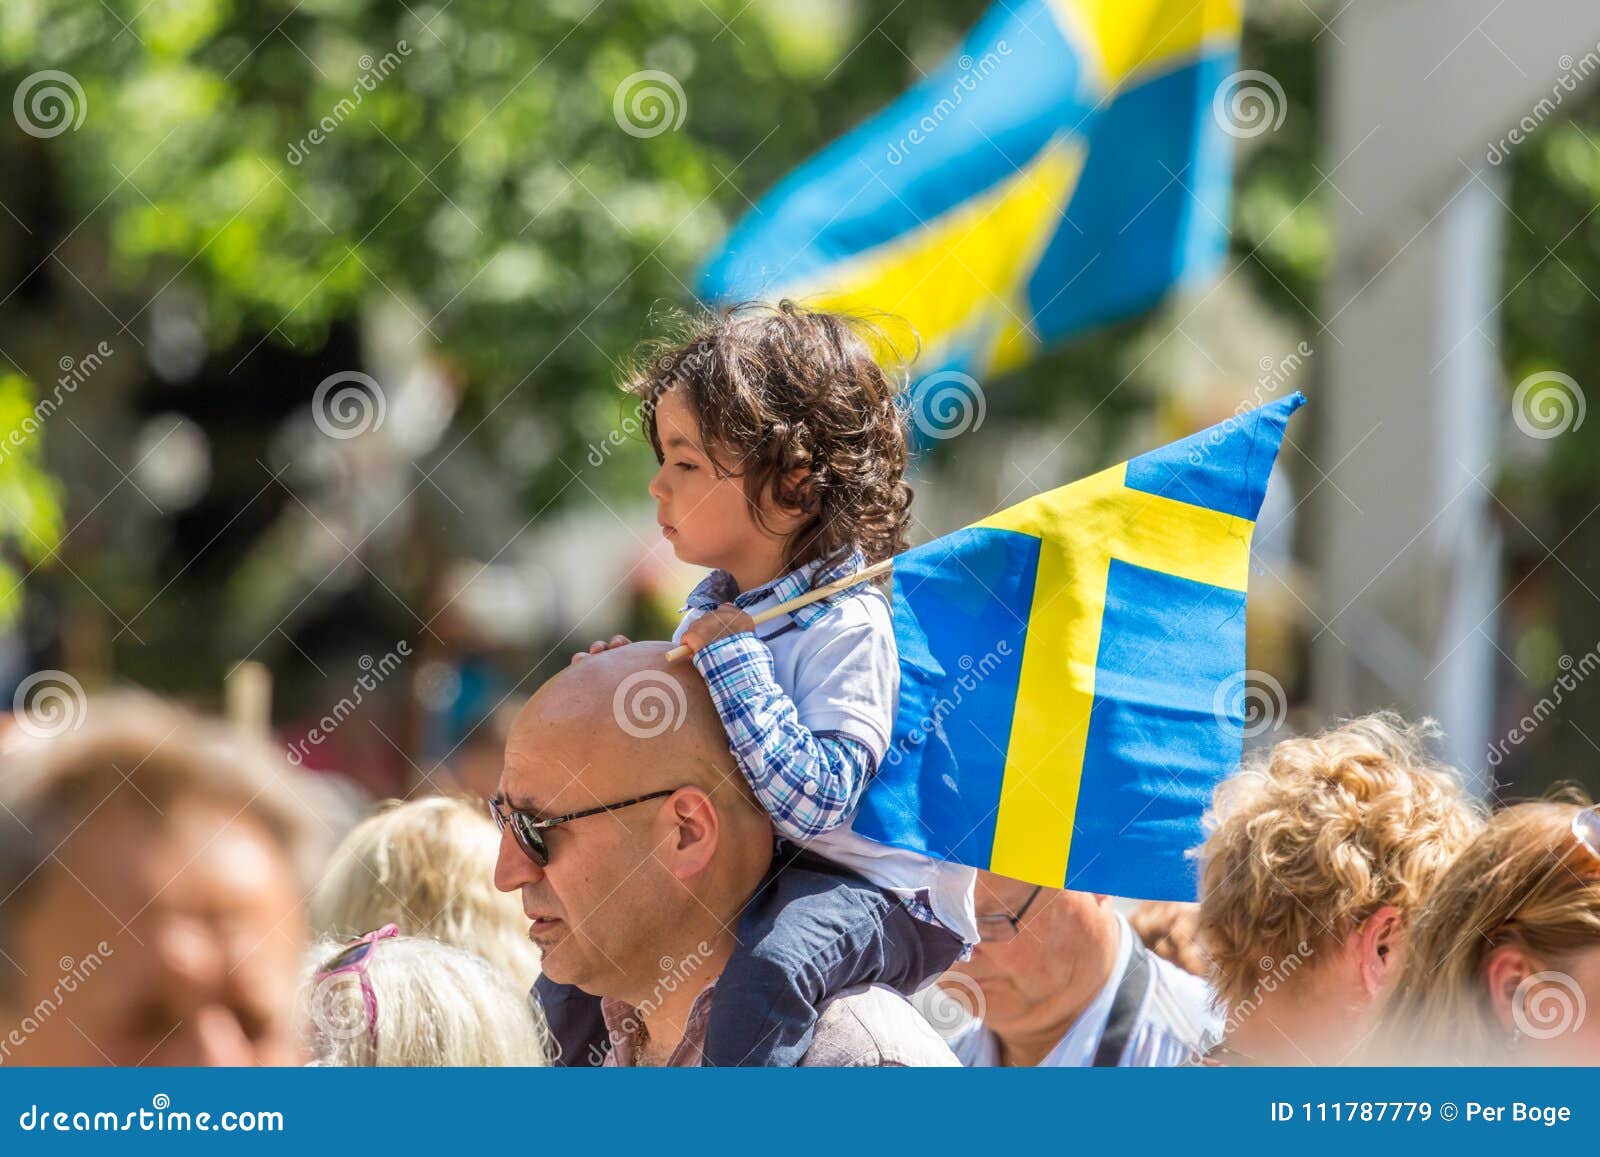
(624, 888)
(150, 894)
(1036, 970)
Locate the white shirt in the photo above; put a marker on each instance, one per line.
(1175, 1023)
(838, 661)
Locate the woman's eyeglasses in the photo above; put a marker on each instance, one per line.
(1586, 830)
(998, 927)
(529, 831)
(355, 958)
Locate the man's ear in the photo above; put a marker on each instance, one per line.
(1378, 942)
(694, 831)
(1504, 972)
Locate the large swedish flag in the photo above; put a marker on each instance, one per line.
(1062, 170)
(1070, 669)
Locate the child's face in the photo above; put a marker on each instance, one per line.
(706, 517)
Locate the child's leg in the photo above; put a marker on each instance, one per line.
(812, 930)
(575, 1023)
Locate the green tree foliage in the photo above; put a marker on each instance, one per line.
(488, 163)
(30, 508)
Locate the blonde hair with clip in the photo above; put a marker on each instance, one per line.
(437, 1006)
(427, 865)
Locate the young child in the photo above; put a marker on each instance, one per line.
(782, 452)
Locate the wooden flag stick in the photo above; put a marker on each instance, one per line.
(876, 570)
(248, 693)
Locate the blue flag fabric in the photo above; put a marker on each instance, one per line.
(1065, 168)
(1072, 671)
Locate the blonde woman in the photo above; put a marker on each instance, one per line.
(1504, 966)
(1318, 855)
(427, 866)
(390, 1000)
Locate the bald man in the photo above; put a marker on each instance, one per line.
(644, 846)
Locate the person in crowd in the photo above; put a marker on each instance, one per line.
(1171, 930)
(426, 866)
(1503, 964)
(1064, 982)
(153, 866)
(1320, 852)
(635, 850)
(410, 1001)
(782, 454)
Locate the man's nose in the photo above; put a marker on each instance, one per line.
(219, 1040)
(209, 1036)
(512, 867)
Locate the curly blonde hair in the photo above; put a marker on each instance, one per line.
(1525, 881)
(427, 865)
(1311, 839)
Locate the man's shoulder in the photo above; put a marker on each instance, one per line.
(1183, 1008)
(875, 1027)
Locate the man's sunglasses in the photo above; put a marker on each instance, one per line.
(529, 831)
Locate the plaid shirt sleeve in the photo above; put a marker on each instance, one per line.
(809, 782)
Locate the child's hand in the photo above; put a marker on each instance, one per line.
(597, 646)
(716, 624)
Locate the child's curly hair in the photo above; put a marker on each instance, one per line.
(781, 388)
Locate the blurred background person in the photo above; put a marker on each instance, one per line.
(1319, 852)
(1172, 931)
(392, 1000)
(152, 871)
(1060, 980)
(1503, 965)
(427, 866)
